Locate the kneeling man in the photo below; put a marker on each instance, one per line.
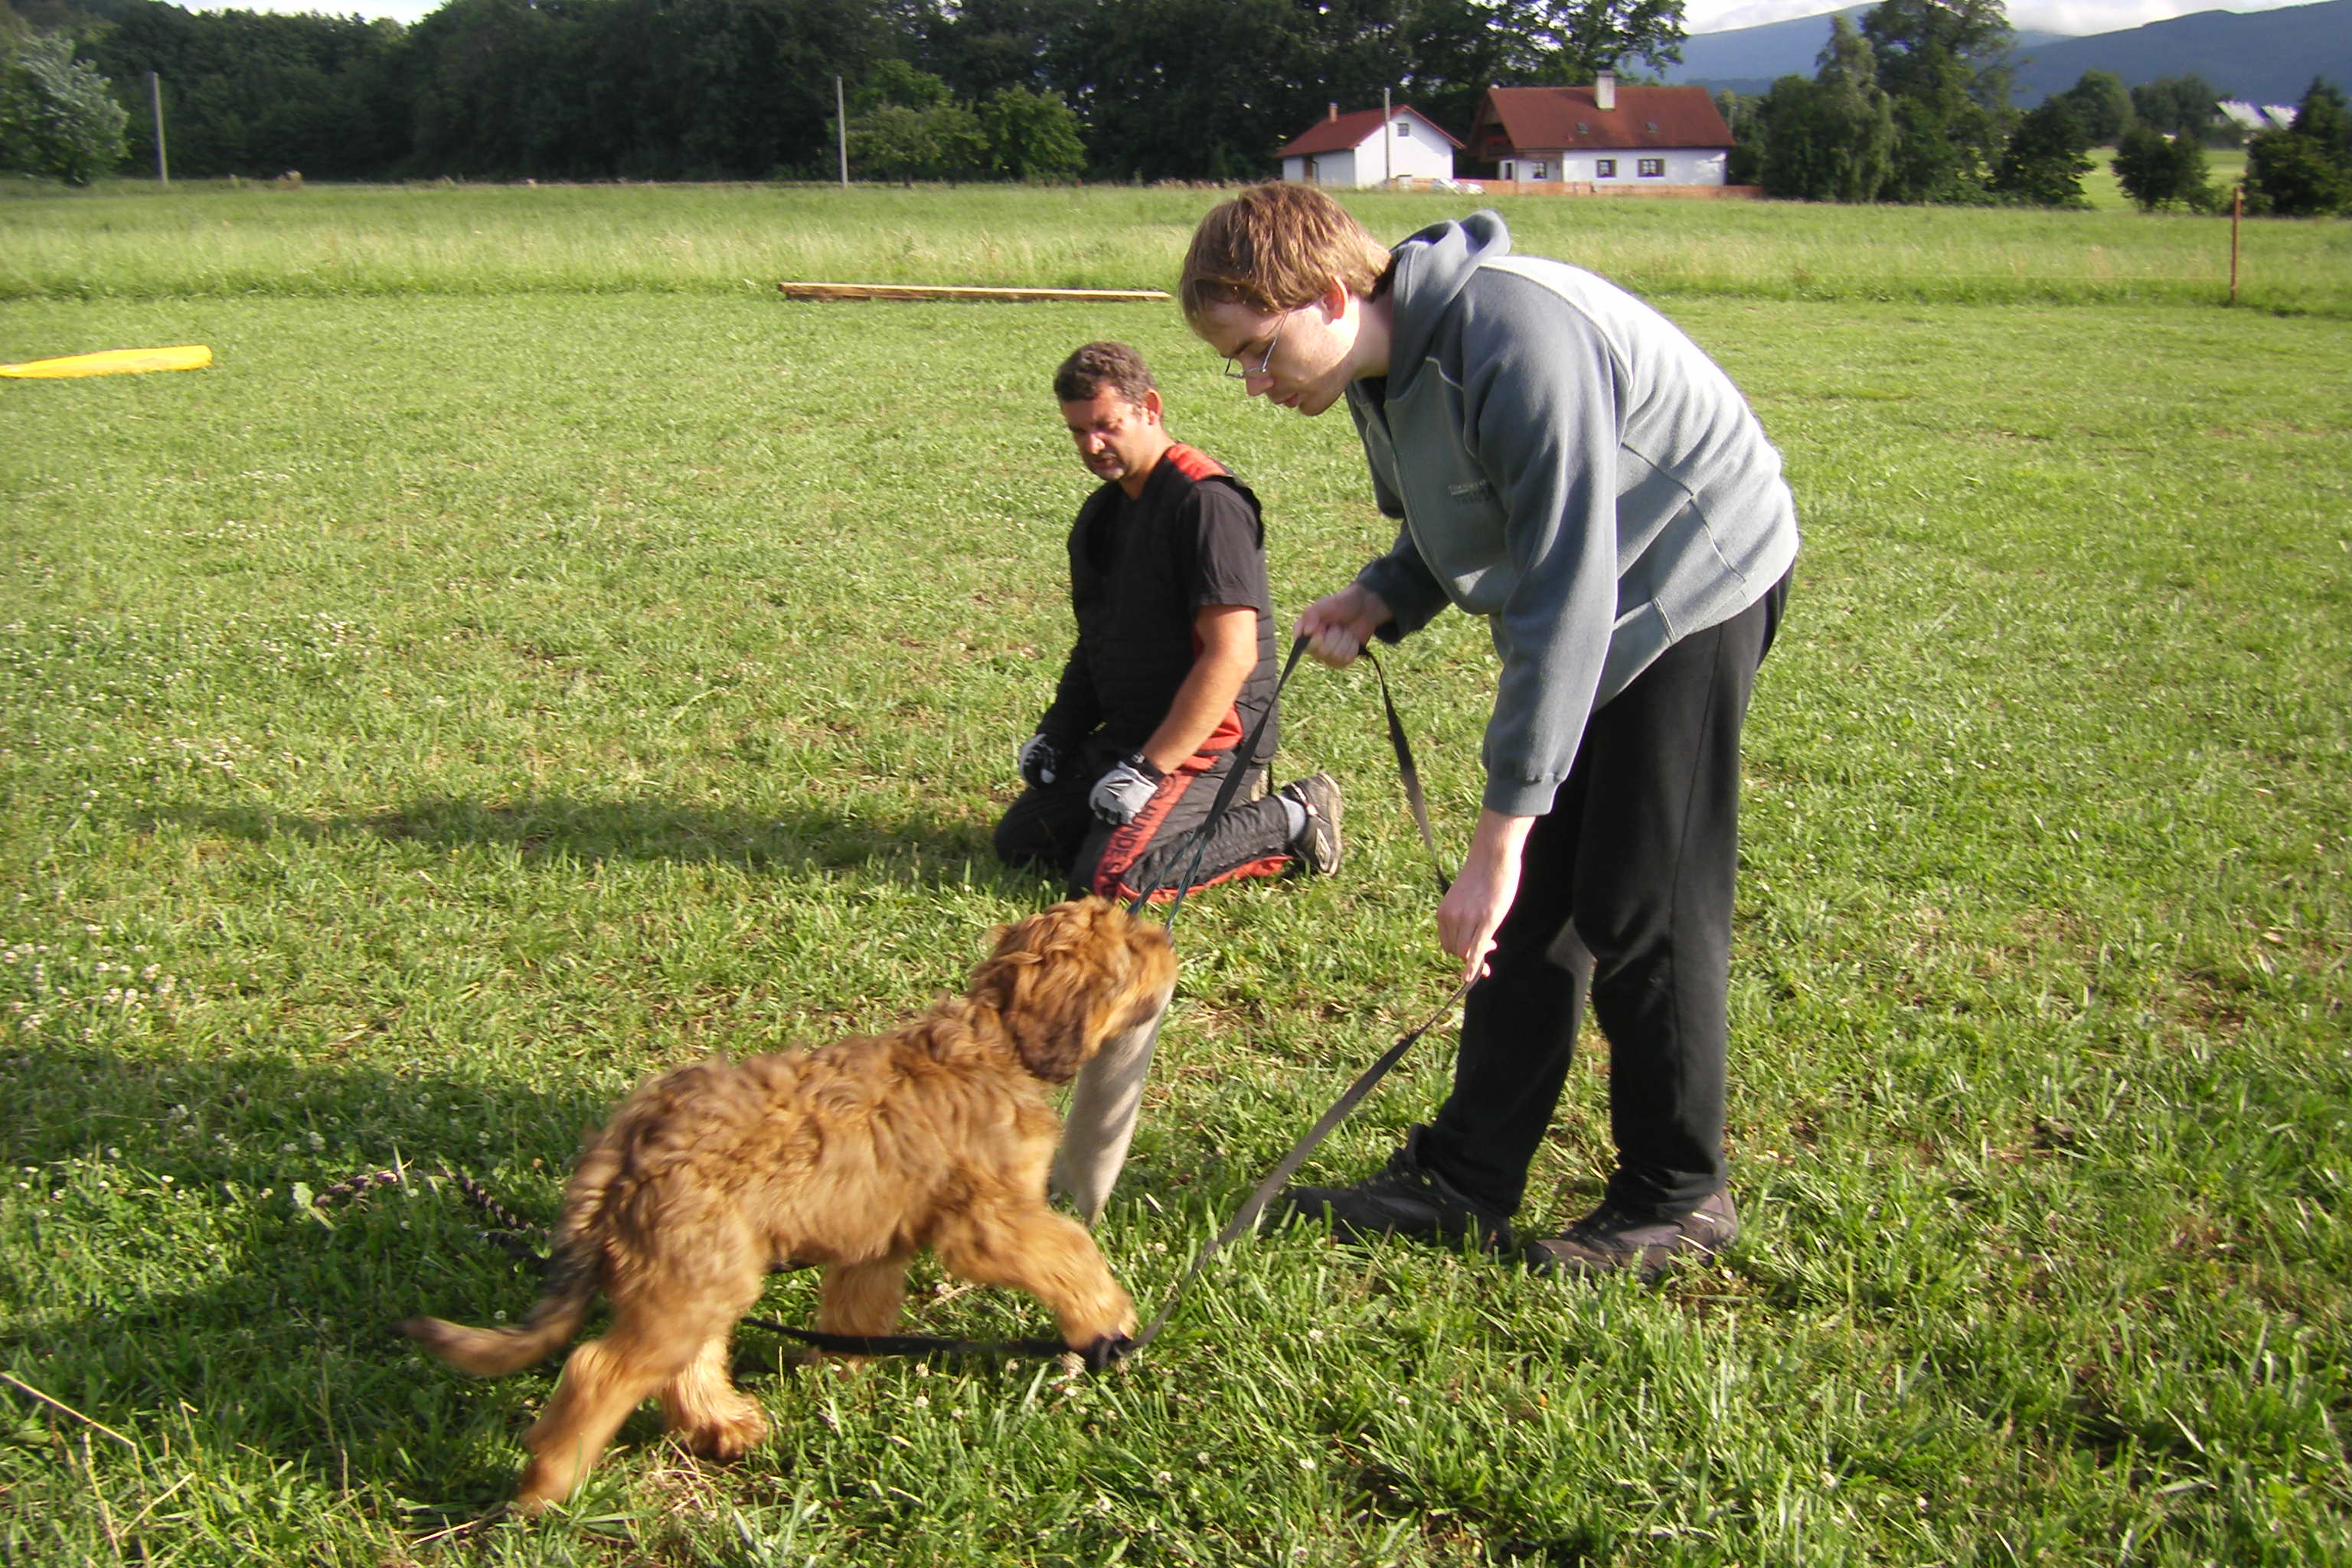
(1173, 667)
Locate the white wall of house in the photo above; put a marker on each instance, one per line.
(1674, 166)
(1419, 152)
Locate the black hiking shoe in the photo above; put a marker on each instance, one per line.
(1611, 1240)
(1405, 1199)
(1317, 845)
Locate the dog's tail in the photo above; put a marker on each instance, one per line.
(574, 1268)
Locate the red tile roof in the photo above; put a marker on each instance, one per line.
(1570, 119)
(1351, 130)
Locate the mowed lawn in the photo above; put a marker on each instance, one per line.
(450, 707)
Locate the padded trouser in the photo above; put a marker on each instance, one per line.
(1625, 893)
(1051, 825)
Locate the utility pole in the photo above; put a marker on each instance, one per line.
(2237, 211)
(841, 128)
(155, 104)
(1387, 141)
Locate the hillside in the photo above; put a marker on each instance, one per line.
(1748, 60)
(2268, 56)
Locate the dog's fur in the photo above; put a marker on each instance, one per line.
(850, 1157)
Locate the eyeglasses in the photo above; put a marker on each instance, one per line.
(1236, 371)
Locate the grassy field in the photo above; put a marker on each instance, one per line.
(134, 242)
(472, 694)
(2224, 167)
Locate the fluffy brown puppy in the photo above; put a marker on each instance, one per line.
(850, 1157)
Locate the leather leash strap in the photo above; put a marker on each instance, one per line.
(1284, 1169)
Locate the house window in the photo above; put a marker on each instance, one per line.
(1405, 129)
(1604, 168)
(1540, 171)
(1653, 168)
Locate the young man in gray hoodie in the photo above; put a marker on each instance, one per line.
(1570, 466)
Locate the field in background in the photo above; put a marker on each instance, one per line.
(2224, 167)
(463, 699)
(136, 243)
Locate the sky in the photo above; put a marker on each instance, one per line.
(2077, 16)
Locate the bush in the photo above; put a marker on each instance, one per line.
(2306, 171)
(2158, 171)
(56, 118)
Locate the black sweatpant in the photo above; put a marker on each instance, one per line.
(1052, 826)
(1626, 891)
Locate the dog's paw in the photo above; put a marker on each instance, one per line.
(1099, 1355)
(728, 1438)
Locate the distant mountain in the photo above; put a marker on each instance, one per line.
(1749, 59)
(2266, 57)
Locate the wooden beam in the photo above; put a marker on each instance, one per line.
(949, 291)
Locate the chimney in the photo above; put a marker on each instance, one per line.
(1334, 114)
(1604, 90)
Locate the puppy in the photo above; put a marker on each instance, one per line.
(850, 1158)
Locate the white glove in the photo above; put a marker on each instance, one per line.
(1120, 795)
(1041, 759)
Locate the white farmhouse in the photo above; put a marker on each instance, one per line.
(1369, 148)
(1604, 135)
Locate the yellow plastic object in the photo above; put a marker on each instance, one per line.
(115, 362)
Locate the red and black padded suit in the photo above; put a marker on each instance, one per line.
(1141, 571)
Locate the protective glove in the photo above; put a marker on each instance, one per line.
(1122, 793)
(1041, 760)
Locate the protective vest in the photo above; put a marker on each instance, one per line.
(1132, 576)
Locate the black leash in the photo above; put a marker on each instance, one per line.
(1284, 1169)
(513, 1231)
(1244, 762)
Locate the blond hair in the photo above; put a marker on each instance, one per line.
(1275, 248)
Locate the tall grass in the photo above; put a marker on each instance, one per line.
(134, 242)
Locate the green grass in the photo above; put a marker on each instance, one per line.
(2224, 167)
(134, 242)
(451, 706)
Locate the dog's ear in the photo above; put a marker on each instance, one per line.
(1055, 979)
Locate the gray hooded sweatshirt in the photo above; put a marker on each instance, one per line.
(1570, 466)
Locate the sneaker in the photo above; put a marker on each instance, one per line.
(1611, 1240)
(1407, 1199)
(1318, 843)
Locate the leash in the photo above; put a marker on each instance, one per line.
(1246, 1217)
(513, 1233)
(1244, 760)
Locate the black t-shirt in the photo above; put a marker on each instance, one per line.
(1142, 571)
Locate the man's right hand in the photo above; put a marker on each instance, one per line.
(1041, 760)
(1337, 625)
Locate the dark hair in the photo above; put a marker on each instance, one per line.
(1085, 374)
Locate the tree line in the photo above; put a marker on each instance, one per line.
(1913, 106)
(1910, 106)
(1119, 89)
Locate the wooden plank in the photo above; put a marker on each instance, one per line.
(951, 291)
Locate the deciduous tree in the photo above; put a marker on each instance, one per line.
(2160, 171)
(1945, 63)
(1567, 41)
(1032, 136)
(2101, 104)
(2307, 170)
(2045, 160)
(56, 118)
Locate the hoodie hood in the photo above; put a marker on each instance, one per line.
(1431, 267)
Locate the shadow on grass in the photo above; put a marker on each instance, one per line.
(559, 831)
(176, 1289)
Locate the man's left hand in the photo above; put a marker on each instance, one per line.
(1120, 795)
